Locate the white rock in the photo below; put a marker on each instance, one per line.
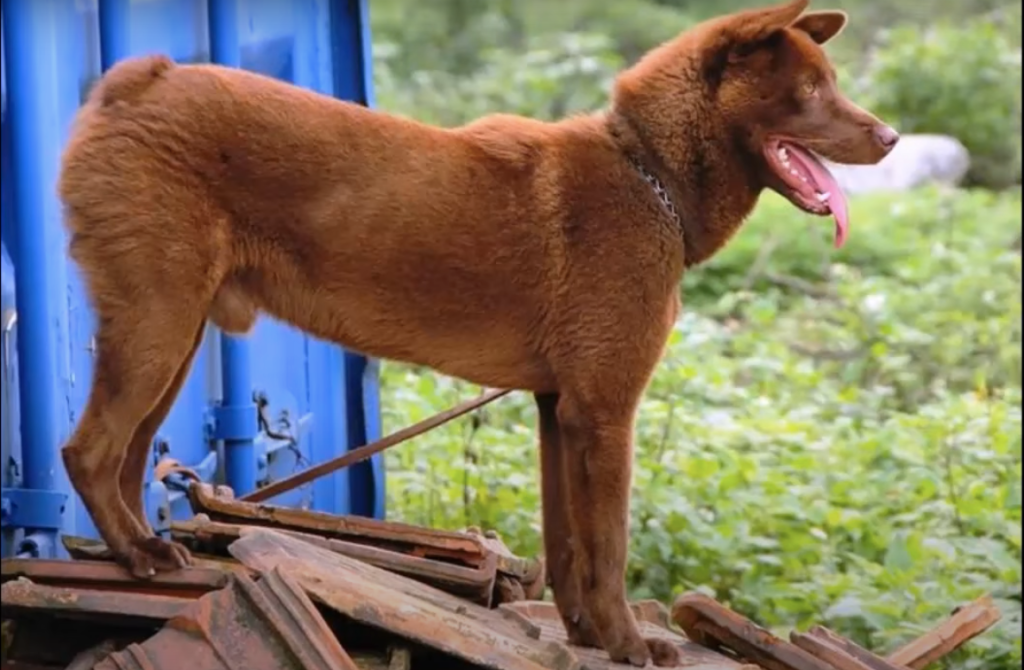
(917, 160)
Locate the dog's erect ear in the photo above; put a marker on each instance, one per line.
(732, 38)
(822, 26)
(756, 25)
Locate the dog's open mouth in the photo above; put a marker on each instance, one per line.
(809, 183)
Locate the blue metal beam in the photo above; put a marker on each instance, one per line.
(236, 417)
(30, 34)
(115, 31)
(353, 80)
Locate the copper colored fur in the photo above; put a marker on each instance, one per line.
(508, 252)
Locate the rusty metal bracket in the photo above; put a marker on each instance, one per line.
(365, 452)
(168, 466)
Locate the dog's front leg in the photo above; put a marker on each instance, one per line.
(558, 539)
(597, 445)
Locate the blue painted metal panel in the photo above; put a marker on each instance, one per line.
(253, 410)
(10, 437)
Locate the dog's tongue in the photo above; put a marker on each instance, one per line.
(824, 182)
(836, 202)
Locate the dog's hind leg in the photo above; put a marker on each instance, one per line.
(139, 353)
(133, 472)
(558, 540)
(151, 286)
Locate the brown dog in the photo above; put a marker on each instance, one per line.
(509, 252)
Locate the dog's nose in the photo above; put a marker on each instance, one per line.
(886, 136)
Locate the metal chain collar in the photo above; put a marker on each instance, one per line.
(660, 191)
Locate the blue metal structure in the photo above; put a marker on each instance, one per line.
(254, 409)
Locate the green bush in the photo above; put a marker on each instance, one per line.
(833, 437)
(556, 76)
(960, 80)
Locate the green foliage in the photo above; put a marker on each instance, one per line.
(560, 74)
(960, 80)
(832, 437)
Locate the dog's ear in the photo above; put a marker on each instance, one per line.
(757, 25)
(822, 26)
(732, 38)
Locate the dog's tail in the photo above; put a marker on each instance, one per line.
(130, 78)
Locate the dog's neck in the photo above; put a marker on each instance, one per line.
(662, 193)
(707, 187)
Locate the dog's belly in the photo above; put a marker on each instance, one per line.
(489, 354)
(482, 344)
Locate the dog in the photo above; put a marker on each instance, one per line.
(509, 252)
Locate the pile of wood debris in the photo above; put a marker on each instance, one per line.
(275, 588)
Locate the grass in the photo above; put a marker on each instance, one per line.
(832, 437)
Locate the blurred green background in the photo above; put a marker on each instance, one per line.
(833, 437)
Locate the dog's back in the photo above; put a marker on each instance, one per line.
(255, 195)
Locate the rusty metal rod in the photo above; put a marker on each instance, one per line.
(364, 452)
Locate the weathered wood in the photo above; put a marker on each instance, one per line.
(966, 623)
(474, 582)
(402, 606)
(714, 625)
(651, 616)
(840, 652)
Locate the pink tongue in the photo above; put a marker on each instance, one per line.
(824, 182)
(841, 213)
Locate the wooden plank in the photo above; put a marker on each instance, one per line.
(407, 608)
(838, 651)
(966, 623)
(471, 582)
(651, 616)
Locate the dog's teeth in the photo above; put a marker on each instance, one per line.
(783, 154)
(823, 197)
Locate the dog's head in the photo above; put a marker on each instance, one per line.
(764, 80)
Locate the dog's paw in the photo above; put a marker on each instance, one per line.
(151, 555)
(633, 651)
(580, 632)
(664, 654)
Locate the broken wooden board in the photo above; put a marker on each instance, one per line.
(86, 549)
(714, 625)
(965, 624)
(265, 625)
(473, 583)
(190, 582)
(405, 607)
(465, 548)
(653, 619)
(22, 597)
(839, 652)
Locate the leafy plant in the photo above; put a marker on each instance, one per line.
(831, 442)
(832, 437)
(960, 80)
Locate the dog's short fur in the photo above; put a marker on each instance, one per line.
(508, 252)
